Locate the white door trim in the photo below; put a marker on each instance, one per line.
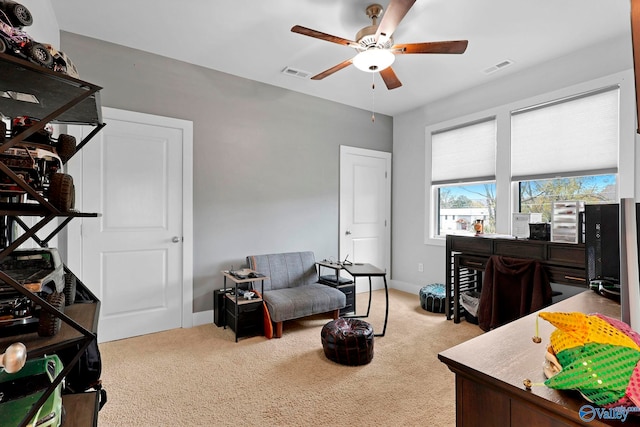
(347, 150)
(74, 229)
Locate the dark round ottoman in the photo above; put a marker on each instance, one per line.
(348, 341)
(432, 297)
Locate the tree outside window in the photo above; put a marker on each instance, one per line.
(537, 196)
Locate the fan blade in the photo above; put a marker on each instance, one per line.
(332, 70)
(322, 36)
(455, 46)
(390, 78)
(396, 10)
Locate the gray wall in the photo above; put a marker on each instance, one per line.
(408, 242)
(266, 160)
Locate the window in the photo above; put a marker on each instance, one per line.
(572, 145)
(566, 150)
(463, 169)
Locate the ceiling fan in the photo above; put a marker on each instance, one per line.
(375, 46)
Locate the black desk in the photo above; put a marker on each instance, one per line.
(362, 270)
(467, 256)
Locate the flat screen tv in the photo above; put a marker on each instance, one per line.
(629, 263)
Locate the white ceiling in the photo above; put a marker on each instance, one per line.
(252, 39)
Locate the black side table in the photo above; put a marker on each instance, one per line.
(367, 270)
(244, 317)
(219, 317)
(232, 304)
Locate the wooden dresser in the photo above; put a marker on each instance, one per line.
(490, 369)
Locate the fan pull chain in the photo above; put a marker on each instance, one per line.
(373, 97)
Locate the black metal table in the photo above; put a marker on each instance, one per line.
(367, 270)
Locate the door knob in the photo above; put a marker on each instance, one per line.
(348, 232)
(176, 239)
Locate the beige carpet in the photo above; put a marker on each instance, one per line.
(200, 376)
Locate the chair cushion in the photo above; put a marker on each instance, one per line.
(292, 303)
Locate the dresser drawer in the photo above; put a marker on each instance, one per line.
(350, 293)
(250, 316)
(472, 262)
(569, 254)
(471, 244)
(520, 249)
(566, 275)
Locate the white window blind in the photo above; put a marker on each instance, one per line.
(466, 153)
(569, 137)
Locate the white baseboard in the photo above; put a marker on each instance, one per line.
(363, 286)
(411, 288)
(202, 317)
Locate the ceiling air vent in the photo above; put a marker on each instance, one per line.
(296, 73)
(499, 66)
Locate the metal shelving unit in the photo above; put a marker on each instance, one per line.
(27, 89)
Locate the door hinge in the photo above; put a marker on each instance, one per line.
(385, 174)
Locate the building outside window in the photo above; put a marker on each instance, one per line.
(462, 205)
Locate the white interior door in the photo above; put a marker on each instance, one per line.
(132, 255)
(365, 208)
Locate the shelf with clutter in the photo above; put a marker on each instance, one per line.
(44, 96)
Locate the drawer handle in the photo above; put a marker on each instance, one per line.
(579, 279)
(476, 264)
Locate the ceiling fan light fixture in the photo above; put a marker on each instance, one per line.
(373, 60)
